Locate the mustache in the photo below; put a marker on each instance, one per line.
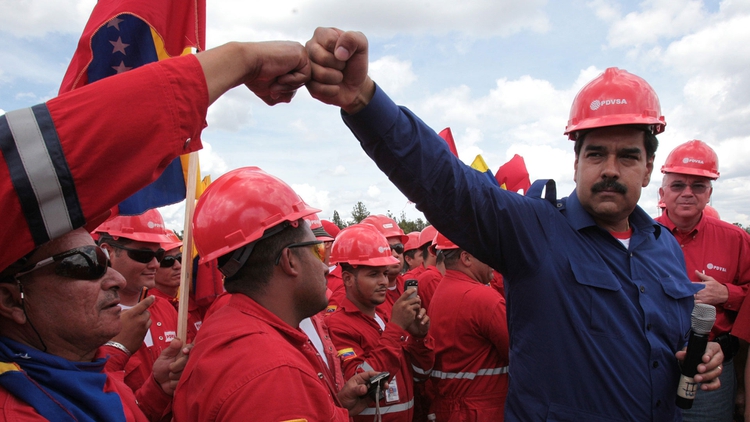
(609, 184)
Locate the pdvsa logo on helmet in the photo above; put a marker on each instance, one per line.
(151, 225)
(388, 225)
(687, 160)
(382, 249)
(596, 104)
(711, 266)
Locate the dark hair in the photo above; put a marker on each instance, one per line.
(650, 142)
(424, 249)
(345, 267)
(450, 257)
(108, 239)
(258, 269)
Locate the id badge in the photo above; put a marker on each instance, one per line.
(391, 395)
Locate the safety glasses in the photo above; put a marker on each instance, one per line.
(398, 247)
(317, 247)
(85, 263)
(144, 256)
(169, 260)
(697, 188)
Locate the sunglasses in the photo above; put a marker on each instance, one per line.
(398, 247)
(696, 188)
(144, 256)
(85, 263)
(318, 248)
(169, 260)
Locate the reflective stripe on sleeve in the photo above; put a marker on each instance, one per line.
(469, 375)
(39, 173)
(389, 409)
(365, 366)
(420, 371)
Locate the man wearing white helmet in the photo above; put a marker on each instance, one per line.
(717, 255)
(598, 301)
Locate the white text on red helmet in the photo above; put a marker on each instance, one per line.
(692, 160)
(382, 249)
(151, 225)
(388, 225)
(601, 103)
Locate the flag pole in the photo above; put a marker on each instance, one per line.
(186, 275)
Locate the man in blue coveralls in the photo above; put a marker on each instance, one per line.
(598, 301)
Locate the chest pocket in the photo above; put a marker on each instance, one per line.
(601, 298)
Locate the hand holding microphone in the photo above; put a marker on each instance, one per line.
(701, 321)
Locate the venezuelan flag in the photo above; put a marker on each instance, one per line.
(479, 165)
(125, 34)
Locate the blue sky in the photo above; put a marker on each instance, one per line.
(502, 74)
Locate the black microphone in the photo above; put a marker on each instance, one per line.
(701, 321)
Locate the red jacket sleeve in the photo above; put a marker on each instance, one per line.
(106, 141)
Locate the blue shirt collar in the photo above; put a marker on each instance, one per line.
(579, 218)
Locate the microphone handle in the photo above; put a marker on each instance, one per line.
(687, 387)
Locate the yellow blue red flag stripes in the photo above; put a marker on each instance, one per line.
(125, 34)
(479, 165)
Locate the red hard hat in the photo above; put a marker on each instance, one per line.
(174, 241)
(317, 227)
(413, 242)
(427, 235)
(387, 226)
(711, 212)
(362, 244)
(239, 207)
(330, 228)
(693, 157)
(616, 97)
(442, 243)
(147, 227)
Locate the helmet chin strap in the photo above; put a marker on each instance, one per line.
(23, 307)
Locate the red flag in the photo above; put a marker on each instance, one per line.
(448, 136)
(125, 34)
(176, 25)
(514, 175)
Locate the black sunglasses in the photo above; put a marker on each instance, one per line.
(169, 260)
(398, 247)
(85, 263)
(144, 256)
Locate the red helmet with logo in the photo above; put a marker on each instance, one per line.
(442, 243)
(174, 241)
(239, 207)
(317, 227)
(387, 226)
(147, 227)
(413, 242)
(362, 244)
(693, 157)
(616, 97)
(427, 235)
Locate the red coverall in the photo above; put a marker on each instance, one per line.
(427, 283)
(363, 346)
(195, 320)
(470, 376)
(248, 364)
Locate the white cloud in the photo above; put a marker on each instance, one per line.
(373, 191)
(339, 171)
(27, 18)
(211, 162)
(314, 197)
(392, 75)
(657, 19)
(296, 20)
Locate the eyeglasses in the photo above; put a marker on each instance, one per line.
(169, 260)
(697, 188)
(398, 247)
(144, 256)
(318, 248)
(85, 263)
